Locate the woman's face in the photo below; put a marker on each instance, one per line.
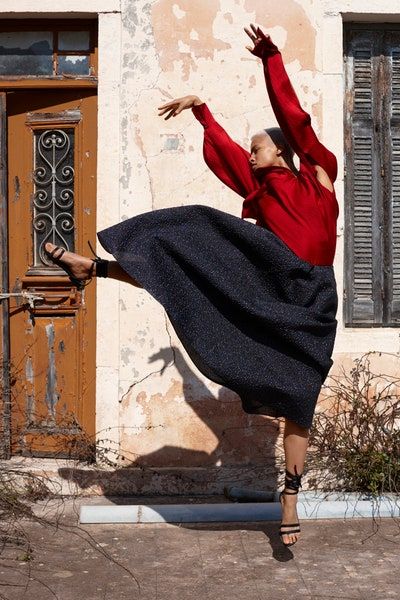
(264, 153)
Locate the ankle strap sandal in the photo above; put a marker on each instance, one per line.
(101, 263)
(55, 256)
(292, 482)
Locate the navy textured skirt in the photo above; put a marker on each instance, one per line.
(252, 315)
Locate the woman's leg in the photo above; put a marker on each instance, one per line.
(117, 272)
(295, 443)
(81, 267)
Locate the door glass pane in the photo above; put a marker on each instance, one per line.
(76, 65)
(73, 40)
(53, 197)
(26, 53)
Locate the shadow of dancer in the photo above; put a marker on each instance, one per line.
(245, 443)
(244, 453)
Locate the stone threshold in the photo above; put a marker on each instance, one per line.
(310, 506)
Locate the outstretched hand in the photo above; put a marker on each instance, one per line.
(176, 106)
(260, 40)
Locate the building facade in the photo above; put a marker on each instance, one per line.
(107, 363)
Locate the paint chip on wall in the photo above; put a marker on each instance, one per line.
(172, 142)
(178, 12)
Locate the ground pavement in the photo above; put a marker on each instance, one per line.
(337, 559)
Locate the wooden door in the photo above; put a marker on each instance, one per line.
(51, 197)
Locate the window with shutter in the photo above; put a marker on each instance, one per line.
(372, 187)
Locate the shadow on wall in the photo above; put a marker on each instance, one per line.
(245, 454)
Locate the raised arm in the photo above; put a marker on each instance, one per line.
(227, 159)
(293, 120)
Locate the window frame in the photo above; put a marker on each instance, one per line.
(382, 192)
(55, 26)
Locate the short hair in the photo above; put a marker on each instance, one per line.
(277, 136)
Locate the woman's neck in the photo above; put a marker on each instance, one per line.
(281, 162)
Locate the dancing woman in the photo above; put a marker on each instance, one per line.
(254, 305)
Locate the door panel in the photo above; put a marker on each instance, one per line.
(52, 183)
(5, 441)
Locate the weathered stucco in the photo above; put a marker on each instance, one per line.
(177, 418)
(183, 33)
(172, 48)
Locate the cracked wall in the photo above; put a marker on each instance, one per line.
(170, 416)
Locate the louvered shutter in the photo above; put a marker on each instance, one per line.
(363, 200)
(392, 98)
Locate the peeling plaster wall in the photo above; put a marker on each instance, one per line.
(176, 418)
(170, 416)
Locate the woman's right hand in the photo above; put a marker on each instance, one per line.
(174, 107)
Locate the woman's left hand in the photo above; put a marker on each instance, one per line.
(260, 40)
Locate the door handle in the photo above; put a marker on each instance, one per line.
(69, 298)
(30, 298)
(57, 298)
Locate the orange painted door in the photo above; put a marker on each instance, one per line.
(52, 197)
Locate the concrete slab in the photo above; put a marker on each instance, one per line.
(307, 508)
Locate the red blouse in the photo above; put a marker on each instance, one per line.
(298, 209)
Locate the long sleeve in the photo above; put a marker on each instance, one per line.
(227, 159)
(293, 120)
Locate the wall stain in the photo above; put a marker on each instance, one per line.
(300, 42)
(126, 354)
(172, 31)
(316, 111)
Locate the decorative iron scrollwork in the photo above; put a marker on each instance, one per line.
(53, 196)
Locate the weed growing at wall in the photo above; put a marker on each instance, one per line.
(355, 440)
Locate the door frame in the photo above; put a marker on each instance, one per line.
(27, 83)
(5, 403)
(110, 34)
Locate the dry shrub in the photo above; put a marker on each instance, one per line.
(355, 443)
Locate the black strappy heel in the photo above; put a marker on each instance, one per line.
(293, 482)
(101, 266)
(101, 263)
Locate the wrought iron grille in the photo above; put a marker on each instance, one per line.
(53, 194)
